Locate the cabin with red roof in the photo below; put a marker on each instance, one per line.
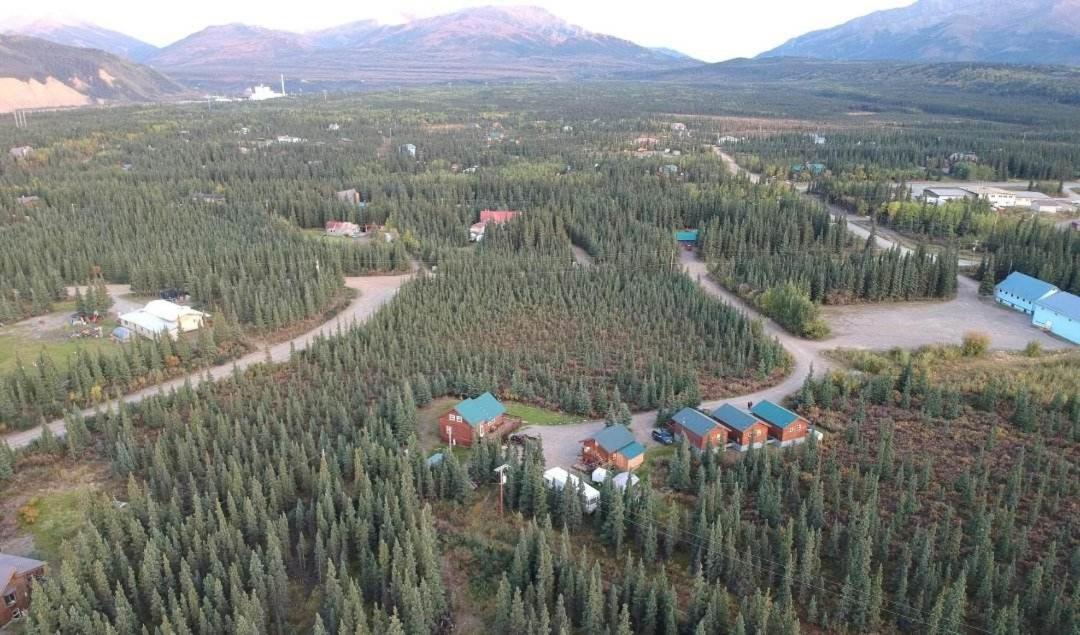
(476, 231)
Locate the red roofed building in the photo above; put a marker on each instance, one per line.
(497, 216)
(476, 231)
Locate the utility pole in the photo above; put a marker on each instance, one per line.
(501, 471)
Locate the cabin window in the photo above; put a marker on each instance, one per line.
(9, 599)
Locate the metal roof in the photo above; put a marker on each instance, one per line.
(774, 414)
(695, 421)
(145, 321)
(632, 450)
(686, 235)
(947, 191)
(21, 565)
(731, 416)
(614, 438)
(168, 311)
(480, 409)
(1062, 303)
(1025, 287)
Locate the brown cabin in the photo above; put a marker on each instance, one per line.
(16, 576)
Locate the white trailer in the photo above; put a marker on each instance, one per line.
(557, 478)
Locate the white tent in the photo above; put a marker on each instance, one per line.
(623, 480)
(598, 475)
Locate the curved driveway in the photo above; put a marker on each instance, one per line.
(374, 292)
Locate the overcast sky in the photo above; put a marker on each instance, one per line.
(712, 30)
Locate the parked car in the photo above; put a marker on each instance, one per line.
(521, 438)
(663, 436)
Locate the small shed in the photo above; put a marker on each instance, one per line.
(624, 480)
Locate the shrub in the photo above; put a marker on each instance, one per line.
(1033, 349)
(975, 344)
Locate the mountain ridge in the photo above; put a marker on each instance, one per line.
(1012, 31)
(37, 73)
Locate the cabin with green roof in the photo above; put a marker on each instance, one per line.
(614, 445)
(472, 419)
(785, 426)
(745, 430)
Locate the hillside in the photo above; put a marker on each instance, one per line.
(35, 73)
(85, 35)
(1009, 31)
(473, 44)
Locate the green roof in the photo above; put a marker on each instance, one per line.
(776, 415)
(480, 409)
(633, 450)
(694, 421)
(686, 235)
(614, 438)
(732, 417)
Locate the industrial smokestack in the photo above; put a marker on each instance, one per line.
(283, 84)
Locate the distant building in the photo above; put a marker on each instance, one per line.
(342, 228)
(814, 169)
(499, 217)
(997, 197)
(1059, 313)
(28, 201)
(472, 420)
(669, 169)
(942, 195)
(407, 148)
(687, 237)
(163, 318)
(678, 127)
(17, 575)
(20, 152)
(728, 140)
(213, 199)
(1052, 206)
(284, 138)
(1024, 199)
(333, 127)
(614, 445)
(644, 142)
(262, 92)
(1021, 292)
(963, 157)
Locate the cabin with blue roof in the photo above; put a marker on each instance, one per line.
(472, 419)
(1059, 313)
(614, 445)
(687, 237)
(787, 427)
(1021, 292)
(744, 429)
(700, 430)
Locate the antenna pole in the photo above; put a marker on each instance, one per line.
(283, 84)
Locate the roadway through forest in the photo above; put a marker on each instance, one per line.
(374, 292)
(881, 326)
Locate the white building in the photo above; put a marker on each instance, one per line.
(262, 92)
(997, 197)
(557, 478)
(1025, 199)
(942, 195)
(161, 317)
(1052, 206)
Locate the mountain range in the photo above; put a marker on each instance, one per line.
(36, 73)
(475, 44)
(1001, 31)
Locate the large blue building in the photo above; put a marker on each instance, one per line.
(1022, 292)
(1059, 313)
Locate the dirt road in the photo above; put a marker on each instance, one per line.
(375, 291)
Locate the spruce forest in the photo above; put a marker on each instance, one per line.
(301, 496)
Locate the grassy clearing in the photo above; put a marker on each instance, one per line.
(60, 515)
(18, 342)
(427, 421)
(653, 458)
(535, 415)
(1045, 373)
